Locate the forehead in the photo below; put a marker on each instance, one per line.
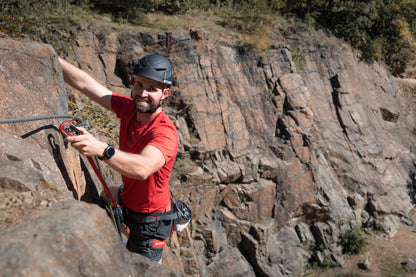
(147, 82)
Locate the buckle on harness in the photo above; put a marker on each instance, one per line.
(149, 219)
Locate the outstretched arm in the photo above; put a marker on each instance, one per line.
(86, 84)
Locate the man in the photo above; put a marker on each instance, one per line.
(148, 145)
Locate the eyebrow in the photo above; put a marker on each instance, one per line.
(150, 86)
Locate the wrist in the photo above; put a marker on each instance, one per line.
(108, 152)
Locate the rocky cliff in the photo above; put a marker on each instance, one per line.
(276, 158)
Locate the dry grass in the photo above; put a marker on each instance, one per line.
(214, 23)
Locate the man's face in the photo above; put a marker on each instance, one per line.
(148, 94)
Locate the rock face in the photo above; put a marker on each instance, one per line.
(46, 245)
(275, 161)
(31, 86)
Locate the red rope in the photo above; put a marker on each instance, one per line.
(100, 177)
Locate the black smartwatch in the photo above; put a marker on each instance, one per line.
(108, 152)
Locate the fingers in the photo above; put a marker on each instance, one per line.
(76, 138)
(72, 139)
(80, 145)
(82, 130)
(86, 143)
(81, 142)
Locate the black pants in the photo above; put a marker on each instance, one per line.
(146, 239)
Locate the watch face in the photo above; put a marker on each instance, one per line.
(110, 151)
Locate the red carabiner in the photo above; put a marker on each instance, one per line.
(68, 128)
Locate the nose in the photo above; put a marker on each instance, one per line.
(142, 92)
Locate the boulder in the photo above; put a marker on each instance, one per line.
(70, 238)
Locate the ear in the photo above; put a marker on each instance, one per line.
(165, 93)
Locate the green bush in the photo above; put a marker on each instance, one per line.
(131, 10)
(354, 241)
(47, 21)
(376, 27)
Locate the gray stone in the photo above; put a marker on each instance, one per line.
(365, 264)
(304, 233)
(82, 234)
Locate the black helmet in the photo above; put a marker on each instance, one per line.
(155, 67)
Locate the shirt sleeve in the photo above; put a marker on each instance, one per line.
(119, 103)
(166, 140)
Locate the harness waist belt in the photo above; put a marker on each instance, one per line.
(153, 217)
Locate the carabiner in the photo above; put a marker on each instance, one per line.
(68, 128)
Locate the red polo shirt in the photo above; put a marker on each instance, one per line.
(152, 194)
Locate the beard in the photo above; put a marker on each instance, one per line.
(149, 108)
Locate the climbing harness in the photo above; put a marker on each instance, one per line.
(68, 128)
(180, 213)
